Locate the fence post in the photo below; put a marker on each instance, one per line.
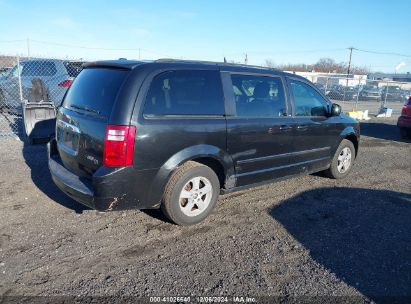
(385, 98)
(326, 86)
(343, 98)
(358, 92)
(19, 79)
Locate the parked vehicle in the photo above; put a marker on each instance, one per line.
(320, 86)
(392, 93)
(404, 121)
(4, 72)
(370, 92)
(174, 134)
(406, 94)
(339, 92)
(57, 76)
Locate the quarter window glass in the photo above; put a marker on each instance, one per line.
(307, 101)
(259, 96)
(185, 93)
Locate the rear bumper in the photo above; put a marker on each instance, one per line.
(404, 121)
(108, 189)
(77, 188)
(71, 184)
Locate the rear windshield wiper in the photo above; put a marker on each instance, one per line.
(85, 108)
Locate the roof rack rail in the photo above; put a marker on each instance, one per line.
(186, 61)
(215, 63)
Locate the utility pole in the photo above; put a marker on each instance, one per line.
(349, 62)
(246, 59)
(28, 47)
(349, 67)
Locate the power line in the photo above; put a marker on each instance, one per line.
(287, 52)
(12, 41)
(97, 48)
(390, 53)
(382, 52)
(83, 47)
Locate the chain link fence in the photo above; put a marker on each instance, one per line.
(17, 76)
(360, 93)
(9, 121)
(18, 73)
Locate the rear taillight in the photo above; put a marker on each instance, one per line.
(65, 83)
(406, 110)
(119, 146)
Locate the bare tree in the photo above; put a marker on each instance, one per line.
(328, 65)
(323, 65)
(270, 64)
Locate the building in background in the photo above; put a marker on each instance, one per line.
(391, 77)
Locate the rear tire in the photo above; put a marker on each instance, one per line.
(191, 194)
(342, 161)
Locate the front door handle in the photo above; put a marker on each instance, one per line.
(285, 128)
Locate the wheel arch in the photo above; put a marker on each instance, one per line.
(352, 134)
(214, 157)
(353, 138)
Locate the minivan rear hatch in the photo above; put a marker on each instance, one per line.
(82, 120)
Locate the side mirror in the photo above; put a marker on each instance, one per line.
(335, 110)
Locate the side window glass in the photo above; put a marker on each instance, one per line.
(73, 68)
(185, 92)
(307, 101)
(258, 96)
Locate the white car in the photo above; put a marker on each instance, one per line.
(56, 74)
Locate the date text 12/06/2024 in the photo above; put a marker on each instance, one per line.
(203, 299)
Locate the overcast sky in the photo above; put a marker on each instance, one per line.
(282, 31)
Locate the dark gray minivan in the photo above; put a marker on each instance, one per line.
(175, 134)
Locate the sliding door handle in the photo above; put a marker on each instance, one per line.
(302, 127)
(285, 128)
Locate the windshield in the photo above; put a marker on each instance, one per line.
(393, 89)
(13, 72)
(371, 88)
(95, 90)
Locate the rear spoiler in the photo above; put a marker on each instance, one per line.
(116, 64)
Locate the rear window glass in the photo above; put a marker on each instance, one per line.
(186, 92)
(73, 68)
(95, 90)
(38, 68)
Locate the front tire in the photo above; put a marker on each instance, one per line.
(191, 194)
(342, 161)
(405, 133)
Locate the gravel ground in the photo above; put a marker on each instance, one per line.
(308, 236)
